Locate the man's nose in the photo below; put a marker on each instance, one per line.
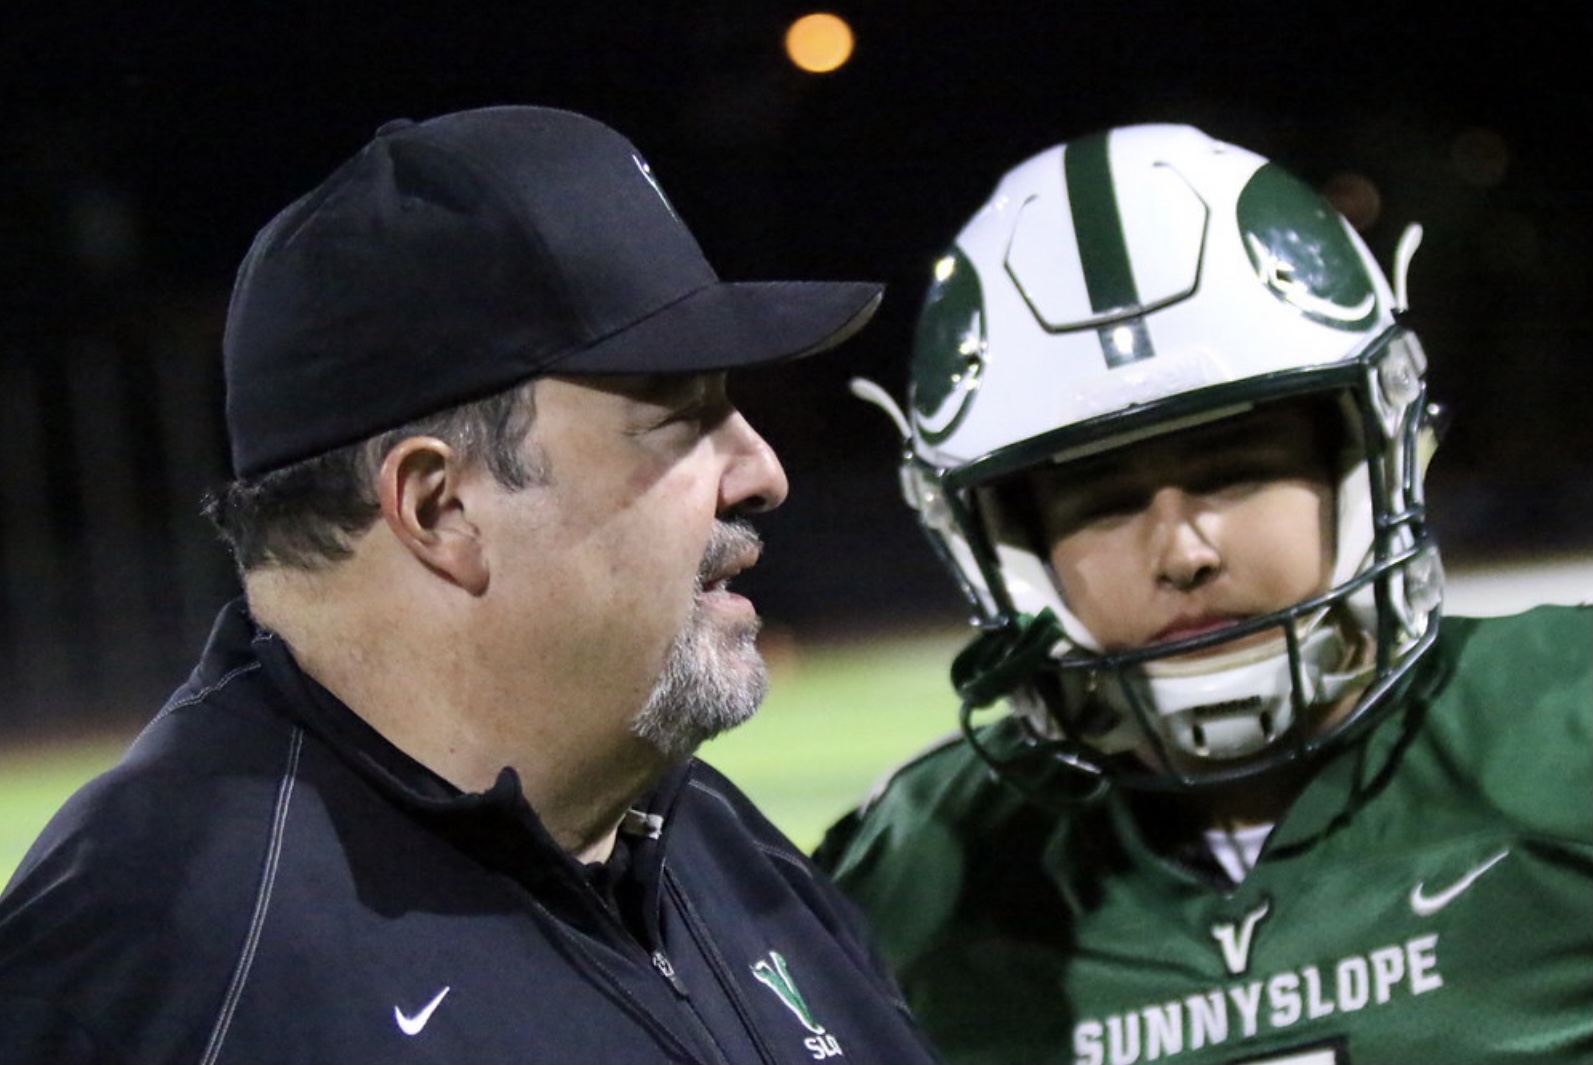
(754, 480)
(1182, 541)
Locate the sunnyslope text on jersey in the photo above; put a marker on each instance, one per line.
(1273, 1003)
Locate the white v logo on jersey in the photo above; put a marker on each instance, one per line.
(1235, 939)
(412, 1025)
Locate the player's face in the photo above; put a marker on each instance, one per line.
(1183, 534)
(620, 562)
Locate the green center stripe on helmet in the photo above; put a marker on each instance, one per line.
(1103, 249)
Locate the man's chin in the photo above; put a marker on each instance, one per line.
(712, 682)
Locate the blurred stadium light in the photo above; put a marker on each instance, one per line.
(819, 43)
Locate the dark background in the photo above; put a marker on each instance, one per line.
(141, 146)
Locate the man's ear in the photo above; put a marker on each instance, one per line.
(419, 487)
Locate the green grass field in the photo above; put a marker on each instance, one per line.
(838, 716)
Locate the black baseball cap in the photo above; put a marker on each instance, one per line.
(456, 257)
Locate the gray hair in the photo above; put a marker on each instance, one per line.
(307, 515)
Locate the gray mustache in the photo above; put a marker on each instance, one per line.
(730, 540)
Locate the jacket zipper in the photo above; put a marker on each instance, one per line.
(665, 969)
(716, 965)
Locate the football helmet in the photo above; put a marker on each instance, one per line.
(1118, 287)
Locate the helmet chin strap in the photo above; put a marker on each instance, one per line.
(1234, 704)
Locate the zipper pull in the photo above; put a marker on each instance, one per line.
(667, 971)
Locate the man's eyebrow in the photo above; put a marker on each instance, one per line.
(665, 389)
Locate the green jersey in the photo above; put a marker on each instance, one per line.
(1428, 897)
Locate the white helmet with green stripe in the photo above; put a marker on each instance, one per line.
(1117, 287)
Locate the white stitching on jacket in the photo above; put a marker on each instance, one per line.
(262, 902)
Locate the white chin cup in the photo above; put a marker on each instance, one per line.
(1235, 704)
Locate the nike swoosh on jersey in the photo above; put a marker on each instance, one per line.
(1425, 905)
(412, 1025)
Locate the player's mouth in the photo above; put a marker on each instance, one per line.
(1190, 626)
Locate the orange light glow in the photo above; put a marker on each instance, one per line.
(819, 43)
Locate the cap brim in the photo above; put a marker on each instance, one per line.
(731, 324)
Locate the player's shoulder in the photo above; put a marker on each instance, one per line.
(940, 795)
(947, 776)
(1546, 621)
(1514, 711)
(1545, 652)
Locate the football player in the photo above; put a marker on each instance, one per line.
(1243, 793)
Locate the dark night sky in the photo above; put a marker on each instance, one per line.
(144, 144)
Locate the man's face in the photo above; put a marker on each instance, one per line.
(1183, 534)
(616, 568)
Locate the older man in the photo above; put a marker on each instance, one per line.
(429, 795)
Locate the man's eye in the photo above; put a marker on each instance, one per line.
(699, 415)
(1112, 505)
(1244, 472)
(1100, 507)
(692, 413)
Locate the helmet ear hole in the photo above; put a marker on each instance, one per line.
(1333, 423)
(1011, 515)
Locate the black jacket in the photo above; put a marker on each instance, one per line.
(265, 879)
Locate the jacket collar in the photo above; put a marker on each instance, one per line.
(497, 827)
